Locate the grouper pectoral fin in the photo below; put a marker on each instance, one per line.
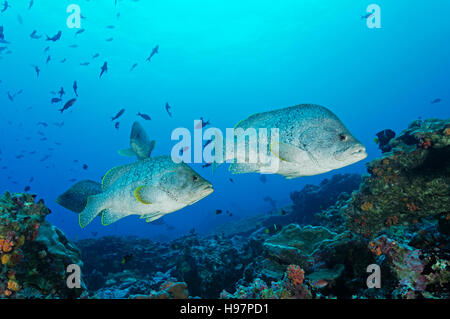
(109, 216)
(145, 194)
(286, 152)
(152, 217)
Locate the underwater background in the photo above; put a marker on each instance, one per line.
(219, 60)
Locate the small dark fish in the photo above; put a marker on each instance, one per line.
(154, 51)
(68, 105)
(75, 88)
(61, 92)
(80, 31)
(34, 35)
(184, 149)
(126, 259)
(85, 167)
(10, 96)
(43, 124)
(133, 67)
(383, 138)
(436, 101)
(117, 125)
(31, 4)
(48, 59)
(46, 49)
(73, 46)
(55, 37)
(27, 188)
(63, 60)
(5, 6)
(110, 27)
(45, 158)
(202, 124)
(2, 35)
(207, 142)
(85, 64)
(263, 179)
(31, 179)
(367, 16)
(95, 56)
(36, 69)
(218, 211)
(109, 39)
(144, 116)
(168, 107)
(206, 165)
(119, 114)
(104, 68)
(283, 212)
(231, 180)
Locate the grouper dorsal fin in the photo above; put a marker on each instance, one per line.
(113, 175)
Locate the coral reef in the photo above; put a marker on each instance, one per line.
(292, 286)
(314, 198)
(396, 217)
(410, 182)
(34, 254)
(206, 265)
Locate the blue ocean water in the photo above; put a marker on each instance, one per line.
(220, 60)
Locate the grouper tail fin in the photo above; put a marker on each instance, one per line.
(127, 152)
(95, 205)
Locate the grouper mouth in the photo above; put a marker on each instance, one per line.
(201, 193)
(351, 154)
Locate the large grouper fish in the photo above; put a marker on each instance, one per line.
(150, 188)
(312, 140)
(140, 145)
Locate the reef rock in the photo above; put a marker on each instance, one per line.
(314, 198)
(410, 182)
(34, 254)
(297, 245)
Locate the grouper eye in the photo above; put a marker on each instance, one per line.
(194, 178)
(343, 137)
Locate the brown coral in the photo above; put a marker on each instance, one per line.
(366, 206)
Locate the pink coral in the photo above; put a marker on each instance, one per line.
(296, 275)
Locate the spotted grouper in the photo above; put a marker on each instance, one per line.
(150, 188)
(312, 140)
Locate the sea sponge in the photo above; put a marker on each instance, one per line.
(5, 259)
